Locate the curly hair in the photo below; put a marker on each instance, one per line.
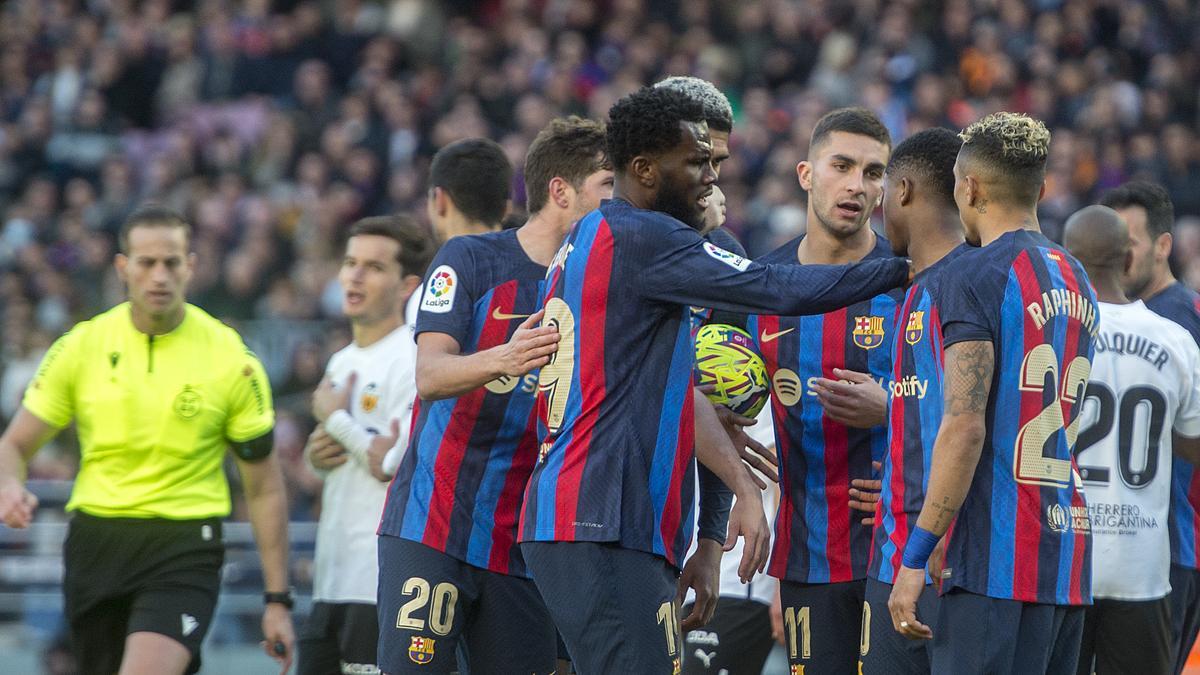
(717, 111)
(1014, 146)
(928, 156)
(647, 121)
(571, 148)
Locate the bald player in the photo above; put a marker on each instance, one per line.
(1142, 402)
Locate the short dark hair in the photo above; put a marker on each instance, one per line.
(477, 176)
(153, 215)
(858, 121)
(416, 242)
(647, 121)
(1014, 148)
(717, 111)
(929, 155)
(1160, 212)
(571, 148)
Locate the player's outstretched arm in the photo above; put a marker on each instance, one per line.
(734, 284)
(23, 437)
(266, 500)
(956, 452)
(443, 372)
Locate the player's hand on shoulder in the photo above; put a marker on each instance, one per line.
(530, 347)
(16, 503)
(327, 398)
(378, 449)
(864, 494)
(854, 399)
(324, 453)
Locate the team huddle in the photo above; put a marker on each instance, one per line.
(982, 439)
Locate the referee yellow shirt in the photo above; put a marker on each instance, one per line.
(154, 413)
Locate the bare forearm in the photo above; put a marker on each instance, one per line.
(959, 444)
(449, 375)
(716, 452)
(267, 502)
(12, 463)
(955, 455)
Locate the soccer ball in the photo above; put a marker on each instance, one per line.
(726, 358)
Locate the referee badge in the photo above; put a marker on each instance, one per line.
(421, 650)
(187, 403)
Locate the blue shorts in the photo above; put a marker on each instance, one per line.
(975, 634)
(883, 650)
(430, 602)
(822, 624)
(614, 607)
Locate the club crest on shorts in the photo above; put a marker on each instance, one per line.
(421, 650)
(868, 331)
(915, 328)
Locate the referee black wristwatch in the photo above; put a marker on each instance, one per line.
(284, 598)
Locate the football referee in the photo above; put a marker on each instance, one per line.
(158, 390)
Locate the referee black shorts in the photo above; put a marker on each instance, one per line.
(128, 575)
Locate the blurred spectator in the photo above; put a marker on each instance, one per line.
(275, 125)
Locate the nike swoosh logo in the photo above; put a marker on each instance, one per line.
(501, 316)
(767, 337)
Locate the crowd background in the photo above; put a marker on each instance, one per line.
(274, 125)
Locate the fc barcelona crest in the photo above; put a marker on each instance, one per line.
(915, 328)
(868, 331)
(421, 649)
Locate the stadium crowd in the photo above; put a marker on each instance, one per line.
(274, 125)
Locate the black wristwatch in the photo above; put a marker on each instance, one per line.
(284, 598)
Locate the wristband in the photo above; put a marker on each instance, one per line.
(284, 598)
(342, 428)
(920, 545)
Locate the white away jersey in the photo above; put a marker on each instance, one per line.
(1145, 382)
(347, 565)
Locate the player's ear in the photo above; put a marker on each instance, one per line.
(905, 192)
(560, 192)
(804, 173)
(1042, 190)
(191, 263)
(439, 200)
(121, 263)
(645, 170)
(408, 285)
(1162, 246)
(1128, 262)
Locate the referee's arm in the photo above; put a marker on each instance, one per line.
(266, 499)
(23, 437)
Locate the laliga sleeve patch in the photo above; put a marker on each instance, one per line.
(440, 290)
(734, 260)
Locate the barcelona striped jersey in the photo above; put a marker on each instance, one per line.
(1181, 304)
(458, 489)
(818, 538)
(1023, 532)
(914, 415)
(615, 408)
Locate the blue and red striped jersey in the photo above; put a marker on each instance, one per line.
(1181, 304)
(615, 405)
(1023, 532)
(458, 489)
(914, 415)
(818, 538)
